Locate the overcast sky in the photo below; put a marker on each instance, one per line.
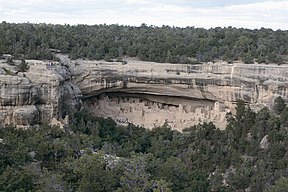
(199, 13)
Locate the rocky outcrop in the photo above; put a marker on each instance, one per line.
(264, 143)
(151, 94)
(42, 93)
(144, 93)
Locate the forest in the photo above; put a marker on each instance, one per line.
(94, 154)
(147, 43)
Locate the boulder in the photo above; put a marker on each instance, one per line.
(26, 115)
(264, 143)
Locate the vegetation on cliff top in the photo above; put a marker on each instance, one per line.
(148, 43)
(94, 154)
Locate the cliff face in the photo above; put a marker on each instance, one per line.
(151, 94)
(144, 93)
(42, 93)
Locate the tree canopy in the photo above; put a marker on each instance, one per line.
(149, 43)
(94, 154)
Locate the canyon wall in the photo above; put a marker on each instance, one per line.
(40, 94)
(144, 93)
(151, 94)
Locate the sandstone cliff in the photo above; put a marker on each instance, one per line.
(42, 93)
(181, 95)
(144, 93)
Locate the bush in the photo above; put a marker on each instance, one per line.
(10, 61)
(23, 66)
(108, 59)
(279, 105)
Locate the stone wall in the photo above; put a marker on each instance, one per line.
(216, 83)
(144, 93)
(152, 111)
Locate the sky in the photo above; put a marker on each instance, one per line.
(181, 13)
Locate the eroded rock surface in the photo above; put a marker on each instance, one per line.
(38, 95)
(144, 93)
(172, 93)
